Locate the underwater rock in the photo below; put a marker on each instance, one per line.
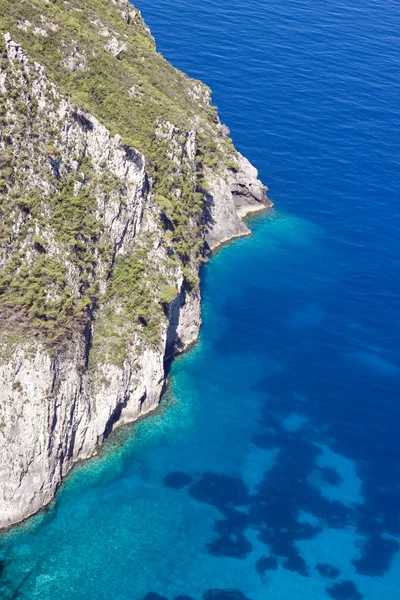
(220, 490)
(177, 480)
(346, 590)
(154, 596)
(218, 594)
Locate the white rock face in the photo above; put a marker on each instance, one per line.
(54, 409)
(51, 416)
(115, 46)
(231, 199)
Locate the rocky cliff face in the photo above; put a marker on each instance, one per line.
(100, 243)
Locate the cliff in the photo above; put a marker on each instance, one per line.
(116, 180)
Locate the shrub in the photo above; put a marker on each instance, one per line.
(168, 294)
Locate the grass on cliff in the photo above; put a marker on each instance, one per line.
(129, 94)
(34, 280)
(132, 95)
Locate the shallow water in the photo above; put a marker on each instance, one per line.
(273, 467)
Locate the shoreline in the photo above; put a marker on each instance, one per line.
(245, 213)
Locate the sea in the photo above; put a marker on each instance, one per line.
(272, 469)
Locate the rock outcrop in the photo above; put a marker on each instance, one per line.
(99, 257)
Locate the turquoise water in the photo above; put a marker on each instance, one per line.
(273, 467)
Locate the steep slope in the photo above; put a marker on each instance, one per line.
(116, 179)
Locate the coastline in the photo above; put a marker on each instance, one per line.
(244, 213)
(143, 301)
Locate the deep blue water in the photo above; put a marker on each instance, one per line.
(273, 468)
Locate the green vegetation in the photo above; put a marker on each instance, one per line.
(137, 95)
(161, 93)
(35, 285)
(26, 289)
(232, 165)
(131, 309)
(168, 294)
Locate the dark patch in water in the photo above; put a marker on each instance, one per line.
(266, 441)
(283, 492)
(377, 555)
(273, 509)
(220, 490)
(234, 545)
(217, 594)
(331, 476)
(233, 521)
(266, 563)
(231, 541)
(346, 590)
(177, 480)
(287, 488)
(154, 596)
(327, 570)
(372, 444)
(378, 514)
(295, 562)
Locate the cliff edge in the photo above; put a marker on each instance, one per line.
(116, 180)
